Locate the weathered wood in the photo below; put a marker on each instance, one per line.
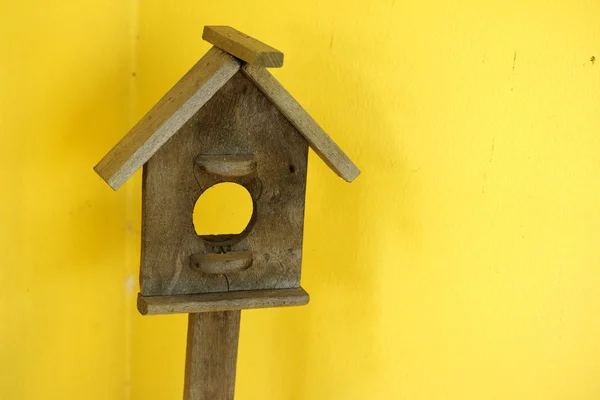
(243, 46)
(167, 117)
(238, 119)
(215, 125)
(211, 355)
(319, 141)
(227, 165)
(209, 302)
(224, 263)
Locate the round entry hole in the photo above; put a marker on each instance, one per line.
(223, 209)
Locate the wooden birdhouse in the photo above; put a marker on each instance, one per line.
(227, 120)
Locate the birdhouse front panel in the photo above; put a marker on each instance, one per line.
(237, 136)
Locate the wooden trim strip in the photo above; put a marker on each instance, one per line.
(224, 301)
(242, 46)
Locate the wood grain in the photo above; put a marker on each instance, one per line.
(227, 165)
(211, 355)
(224, 263)
(209, 302)
(238, 120)
(167, 117)
(319, 141)
(243, 46)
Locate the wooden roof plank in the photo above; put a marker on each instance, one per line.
(318, 140)
(180, 103)
(243, 46)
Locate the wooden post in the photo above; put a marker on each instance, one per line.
(211, 356)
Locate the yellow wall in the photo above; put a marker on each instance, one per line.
(462, 264)
(65, 316)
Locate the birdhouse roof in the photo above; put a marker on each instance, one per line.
(233, 51)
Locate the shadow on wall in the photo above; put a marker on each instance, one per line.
(344, 229)
(71, 259)
(100, 202)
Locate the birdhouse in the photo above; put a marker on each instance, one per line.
(227, 120)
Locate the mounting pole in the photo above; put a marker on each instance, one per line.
(211, 355)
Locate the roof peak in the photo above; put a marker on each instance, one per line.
(198, 86)
(242, 46)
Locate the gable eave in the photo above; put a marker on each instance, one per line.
(165, 119)
(316, 137)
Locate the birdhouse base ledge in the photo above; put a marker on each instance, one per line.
(222, 301)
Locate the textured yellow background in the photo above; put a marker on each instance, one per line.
(462, 264)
